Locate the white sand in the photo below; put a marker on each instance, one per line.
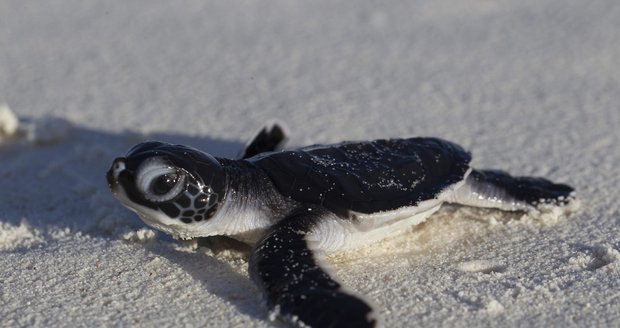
(532, 87)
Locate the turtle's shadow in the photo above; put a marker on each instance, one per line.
(56, 181)
(56, 177)
(217, 276)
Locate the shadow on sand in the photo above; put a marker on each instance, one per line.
(54, 173)
(219, 277)
(52, 177)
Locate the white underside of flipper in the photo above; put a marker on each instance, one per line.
(472, 193)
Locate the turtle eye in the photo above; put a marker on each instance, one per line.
(164, 183)
(160, 183)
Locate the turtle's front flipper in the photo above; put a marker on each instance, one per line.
(270, 138)
(297, 290)
(498, 189)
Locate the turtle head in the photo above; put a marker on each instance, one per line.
(173, 188)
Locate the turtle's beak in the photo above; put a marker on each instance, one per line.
(112, 175)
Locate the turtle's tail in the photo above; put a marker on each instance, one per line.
(498, 189)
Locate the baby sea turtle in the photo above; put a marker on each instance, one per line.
(291, 204)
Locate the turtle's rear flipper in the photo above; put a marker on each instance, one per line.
(297, 290)
(270, 138)
(498, 189)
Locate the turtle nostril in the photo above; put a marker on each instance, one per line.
(118, 165)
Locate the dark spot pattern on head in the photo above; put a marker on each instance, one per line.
(201, 201)
(192, 190)
(170, 210)
(184, 201)
(210, 212)
(194, 205)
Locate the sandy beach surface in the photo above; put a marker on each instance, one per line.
(529, 86)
